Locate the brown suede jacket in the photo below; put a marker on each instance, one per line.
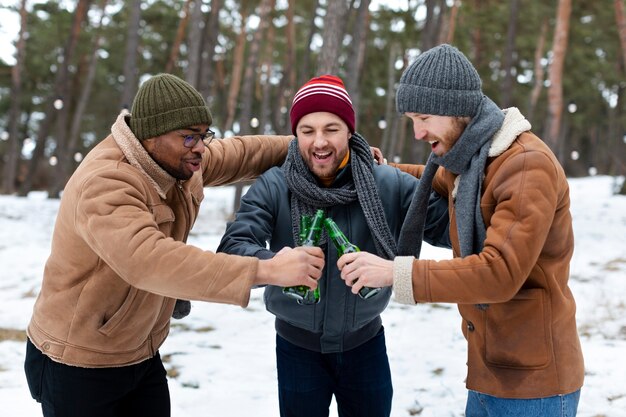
(118, 261)
(525, 343)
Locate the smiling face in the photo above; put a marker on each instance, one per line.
(441, 132)
(169, 153)
(323, 142)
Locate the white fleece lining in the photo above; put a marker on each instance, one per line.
(139, 158)
(402, 279)
(514, 125)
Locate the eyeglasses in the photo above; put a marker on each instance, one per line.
(191, 139)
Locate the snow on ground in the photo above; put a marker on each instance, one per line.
(221, 358)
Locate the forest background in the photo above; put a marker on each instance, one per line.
(78, 63)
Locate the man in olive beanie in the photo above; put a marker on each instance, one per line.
(119, 259)
(511, 232)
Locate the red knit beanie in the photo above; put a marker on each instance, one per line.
(322, 94)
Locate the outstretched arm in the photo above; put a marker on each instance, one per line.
(241, 158)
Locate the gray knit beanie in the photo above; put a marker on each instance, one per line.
(441, 81)
(165, 103)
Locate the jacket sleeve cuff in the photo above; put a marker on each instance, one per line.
(402, 279)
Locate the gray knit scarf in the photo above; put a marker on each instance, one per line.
(307, 195)
(467, 158)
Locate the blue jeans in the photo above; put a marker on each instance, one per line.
(360, 379)
(483, 405)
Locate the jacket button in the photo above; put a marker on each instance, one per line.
(470, 326)
(46, 346)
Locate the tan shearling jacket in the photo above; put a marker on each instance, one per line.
(525, 343)
(118, 259)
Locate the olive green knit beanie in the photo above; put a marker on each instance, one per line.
(165, 103)
(441, 81)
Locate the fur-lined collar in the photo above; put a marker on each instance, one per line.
(139, 158)
(514, 124)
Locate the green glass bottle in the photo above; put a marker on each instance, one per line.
(305, 226)
(343, 245)
(310, 231)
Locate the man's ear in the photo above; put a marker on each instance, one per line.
(378, 156)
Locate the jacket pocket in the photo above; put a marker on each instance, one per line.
(288, 310)
(164, 218)
(367, 310)
(111, 324)
(518, 333)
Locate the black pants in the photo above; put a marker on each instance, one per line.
(70, 391)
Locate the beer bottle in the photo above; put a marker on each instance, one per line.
(310, 231)
(343, 245)
(305, 225)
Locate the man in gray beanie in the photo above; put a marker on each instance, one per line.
(119, 260)
(511, 232)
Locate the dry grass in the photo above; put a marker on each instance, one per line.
(12, 334)
(615, 264)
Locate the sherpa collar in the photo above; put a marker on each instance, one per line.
(139, 158)
(514, 125)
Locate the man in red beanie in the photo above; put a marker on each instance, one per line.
(337, 345)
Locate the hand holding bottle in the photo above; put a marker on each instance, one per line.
(343, 246)
(363, 269)
(310, 230)
(292, 266)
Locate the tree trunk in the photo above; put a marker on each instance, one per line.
(387, 145)
(180, 35)
(538, 70)
(287, 86)
(88, 84)
(64, 93)
(305, 65)
(130, 56)
(332, 37)
(249, 79)
(266, 93)
(235, 82)
(555, 91)
(194, 56)
(506, 89)
(454, 11)
(620, 19)
(40, 147)
(432, 25)
(477, 37)
(357, 53)
(405, 131)
(13, 154)
(211, 30)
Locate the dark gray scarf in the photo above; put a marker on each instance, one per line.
(467, 158)
(307, 195)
